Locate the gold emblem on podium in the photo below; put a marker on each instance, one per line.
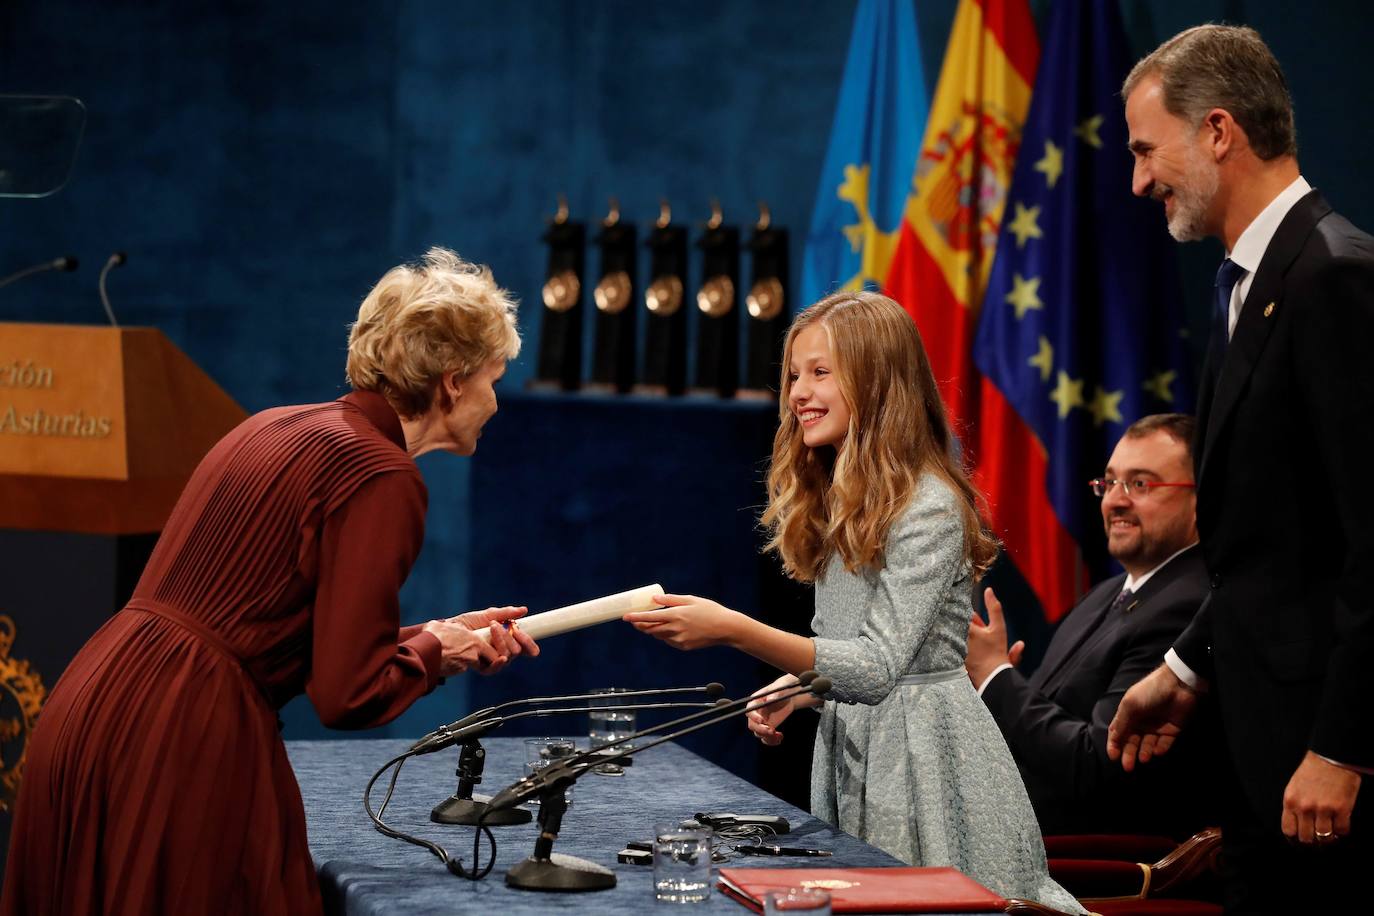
(21, 697)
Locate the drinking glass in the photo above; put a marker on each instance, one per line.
(682, 863)
(608, 722)
(540, 752)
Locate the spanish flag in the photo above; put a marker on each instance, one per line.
(959, 190)
(1080, 330)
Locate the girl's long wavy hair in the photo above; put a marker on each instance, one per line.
(826, 501)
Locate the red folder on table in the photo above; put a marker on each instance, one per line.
(868, 890)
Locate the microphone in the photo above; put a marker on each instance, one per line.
(450, 735)
(115, 260)
(713, 689)
(65, 264)
(563, 773)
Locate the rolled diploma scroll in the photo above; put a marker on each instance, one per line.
(586, 614)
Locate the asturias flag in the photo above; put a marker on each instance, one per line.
(1080, 331)
(874, 143)
(960, 189)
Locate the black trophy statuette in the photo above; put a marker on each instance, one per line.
(718, 323)
(560, 333)
(768, 307)
(613, 363)
(665, 353)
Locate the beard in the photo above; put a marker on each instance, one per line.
(1192, 197)
(1144, 546)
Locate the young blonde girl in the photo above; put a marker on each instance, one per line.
(867, 500)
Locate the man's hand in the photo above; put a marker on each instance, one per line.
(1150, 716)
(1318, 801)
(987, 643)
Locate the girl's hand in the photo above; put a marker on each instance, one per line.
(687, 622)
(764, 721)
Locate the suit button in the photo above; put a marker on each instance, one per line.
(1216, 581)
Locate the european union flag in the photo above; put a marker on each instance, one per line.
(1082, 323)
(874, 143)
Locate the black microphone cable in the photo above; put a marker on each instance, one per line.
(455, 866)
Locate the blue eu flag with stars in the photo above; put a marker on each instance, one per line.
(1082, 326)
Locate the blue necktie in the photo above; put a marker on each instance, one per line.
(1121, 600)
(1228, 275)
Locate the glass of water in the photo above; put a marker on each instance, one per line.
(682, 863)
(609, 721)
(808, 900)
(540, 752)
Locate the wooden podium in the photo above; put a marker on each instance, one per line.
(100, 428)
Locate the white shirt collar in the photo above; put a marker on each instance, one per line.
(1135, 585)
(1254, 241)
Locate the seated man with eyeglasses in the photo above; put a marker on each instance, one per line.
(1055, 720)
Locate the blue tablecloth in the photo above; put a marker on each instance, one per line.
(364, 872)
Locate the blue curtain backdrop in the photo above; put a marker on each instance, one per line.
(264, 163)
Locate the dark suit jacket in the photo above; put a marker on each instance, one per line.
(1286, 510)
(1056, 721)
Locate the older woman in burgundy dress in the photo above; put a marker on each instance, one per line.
(157, 781)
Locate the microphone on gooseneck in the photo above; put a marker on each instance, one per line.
(563, 772)
(117, 259)
(450, 735)
(713, 689)
(65, 264)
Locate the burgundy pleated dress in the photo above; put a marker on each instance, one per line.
(157, 781)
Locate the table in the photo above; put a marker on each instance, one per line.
(364, 872)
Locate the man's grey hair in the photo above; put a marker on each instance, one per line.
(1228, 67)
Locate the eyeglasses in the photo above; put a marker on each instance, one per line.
(1135, 489)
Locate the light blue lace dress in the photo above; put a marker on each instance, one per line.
(907, 756)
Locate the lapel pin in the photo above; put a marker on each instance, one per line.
(1268, 310)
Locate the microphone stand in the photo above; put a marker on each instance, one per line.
(65, 263)
(462, 807)
(546, 870)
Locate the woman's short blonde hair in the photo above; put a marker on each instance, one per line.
(425, 319)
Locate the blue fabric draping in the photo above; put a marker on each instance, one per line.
(364, 872)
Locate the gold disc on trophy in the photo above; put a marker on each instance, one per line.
(561, 291)
(612, 294)
(765, 299)
(664, 295)
(716, 296)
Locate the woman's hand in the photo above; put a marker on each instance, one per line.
(687, 622)
(463, 649)
(764, 721)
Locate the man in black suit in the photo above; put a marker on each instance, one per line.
(1055, 722)
(1285, 510)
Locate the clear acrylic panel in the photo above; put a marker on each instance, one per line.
(39, 139)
